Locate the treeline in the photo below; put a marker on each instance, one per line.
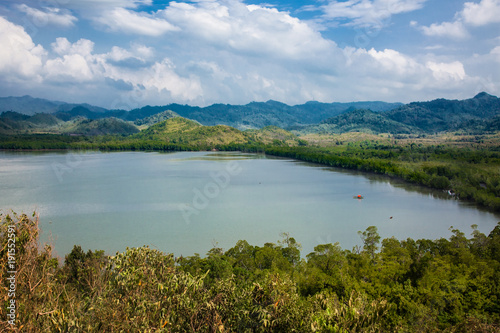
(114, 143)
(449, 285)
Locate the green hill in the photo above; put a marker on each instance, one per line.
(359, 120)
(180, 130)
(44, 119)
(156, 118)
(15, 123)
(102, 127)
(446, 115)
(275, 135)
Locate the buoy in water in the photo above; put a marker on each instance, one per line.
(359, 196)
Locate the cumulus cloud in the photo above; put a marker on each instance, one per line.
(123, 20)
(63, 47)
(73, 67)
(49, 16)
(252, 29)
(368, 13)
(19, 56)
(75, 61)
(454, 30)
(98, 5)
(473, 14)
(453, 71)
(485, 12)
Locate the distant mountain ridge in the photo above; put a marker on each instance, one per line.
(480, 113)
(30, 105)
(251, 115)
(446, 115)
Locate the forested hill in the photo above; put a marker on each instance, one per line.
(476, 115)
(444, 115)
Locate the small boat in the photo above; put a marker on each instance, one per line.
(359, 196)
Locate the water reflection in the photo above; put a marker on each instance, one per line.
(222, 156)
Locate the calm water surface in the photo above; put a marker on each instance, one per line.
(185, 203)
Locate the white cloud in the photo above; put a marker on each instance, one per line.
(19, 56)
(98, 5)
(474, 14)
(83, 47)
(72, 67)
(446, 72)
(496, 53)
(123, 20)
(369, 13)
(454, 30)
(254, 30)
(485, 12)
(162, 77)
(394, 61)
(119, 54)
(49, 16)
(75, 63)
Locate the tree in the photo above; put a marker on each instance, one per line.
(371, 239)
(292, 250)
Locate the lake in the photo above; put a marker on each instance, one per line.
(187, 202)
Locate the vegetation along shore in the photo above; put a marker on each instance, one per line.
(387, 285)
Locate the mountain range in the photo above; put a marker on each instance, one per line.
(477, 114)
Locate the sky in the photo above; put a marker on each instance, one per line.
(124, 54)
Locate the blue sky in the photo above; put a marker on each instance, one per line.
(130, 53)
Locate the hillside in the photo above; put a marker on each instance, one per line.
(180, 130)
(101, 127)
(275, 136)
(359, 120)
(476, 115)
(15, 123)
(446, 115)
(156, 118)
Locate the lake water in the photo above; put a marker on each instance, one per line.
(185, 203)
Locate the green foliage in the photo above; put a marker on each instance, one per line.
(156, 118)
(359, 120)
(443, 285)
(370, 239)
(104, 126)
